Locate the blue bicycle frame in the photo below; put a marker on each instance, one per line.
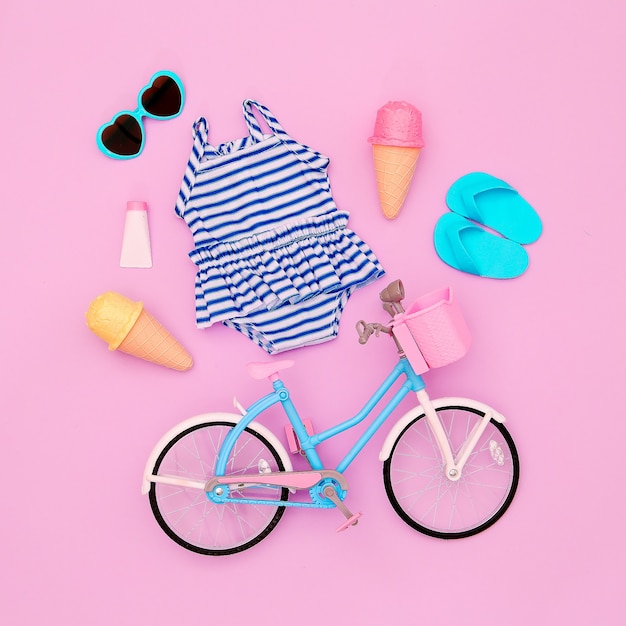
(309, 443)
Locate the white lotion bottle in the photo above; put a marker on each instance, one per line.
(136, 249)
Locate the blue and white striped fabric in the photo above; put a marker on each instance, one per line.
(275, 258)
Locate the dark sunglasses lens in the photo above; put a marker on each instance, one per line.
(123, 136)
(163, 99)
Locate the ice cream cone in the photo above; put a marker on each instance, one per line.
(395, 166)
(151, 341)
(126, 326)
(396, 145)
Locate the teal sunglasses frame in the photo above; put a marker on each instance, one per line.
(139, 113)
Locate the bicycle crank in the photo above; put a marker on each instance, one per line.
(352, 519)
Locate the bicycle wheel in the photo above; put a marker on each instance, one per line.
(427, 500)
(189, 517)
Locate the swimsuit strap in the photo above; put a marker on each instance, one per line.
(266, 114)
(201, 145)
(200, 136)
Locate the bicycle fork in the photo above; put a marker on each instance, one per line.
(453, 467)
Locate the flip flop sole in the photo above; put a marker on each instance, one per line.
(492, 202)
(467, 247)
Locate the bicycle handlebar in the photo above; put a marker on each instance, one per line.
(391, 296)
(366, 330)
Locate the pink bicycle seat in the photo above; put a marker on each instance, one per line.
(268, 369)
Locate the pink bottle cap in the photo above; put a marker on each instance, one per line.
(136, 205)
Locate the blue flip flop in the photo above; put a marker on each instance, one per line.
(492, 202)
(467, 247)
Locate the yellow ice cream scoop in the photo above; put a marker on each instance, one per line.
(111, 316)
(126, 326)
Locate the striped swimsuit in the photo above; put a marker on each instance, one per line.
(274, 257)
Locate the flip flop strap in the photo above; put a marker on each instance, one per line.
(469, 199)
(463, 259)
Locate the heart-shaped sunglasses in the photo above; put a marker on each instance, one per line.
(124, 136)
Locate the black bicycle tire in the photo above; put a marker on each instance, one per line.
(207, 551)
(472, 531)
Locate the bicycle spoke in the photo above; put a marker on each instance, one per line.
(189, 517)
(427, 499)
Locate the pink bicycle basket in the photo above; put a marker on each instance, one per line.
(432, 331)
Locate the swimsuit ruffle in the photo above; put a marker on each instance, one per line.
(286, 265)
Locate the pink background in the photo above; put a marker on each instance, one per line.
(532, 92)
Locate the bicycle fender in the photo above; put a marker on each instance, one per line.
(406, 419)
(211, 417)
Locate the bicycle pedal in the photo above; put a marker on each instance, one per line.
(292, 438)
(351, 521)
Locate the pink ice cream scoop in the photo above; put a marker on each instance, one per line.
(398, 124)
(396, 143)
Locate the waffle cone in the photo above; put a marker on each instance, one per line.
(395, 166)
(149, 340)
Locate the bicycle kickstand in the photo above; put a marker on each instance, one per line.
(351, 518)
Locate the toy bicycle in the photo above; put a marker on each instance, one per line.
(219, 483)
